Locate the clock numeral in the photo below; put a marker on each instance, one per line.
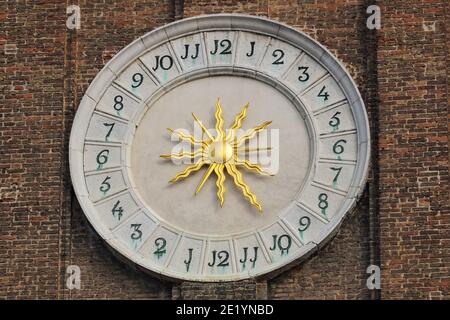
(338, 148)
(189, 260)
(252, 49)
(304, 223)
(323, 94)
(164, 62)
(102, 158)
(323, 203)
(186, 51)
(225, 44)
(283, 243)
(278, 54)
(118, 103)
(137, 78)
(137, 233)
(335, 121)
(117, 211)
(304, 76)
(251, 260)
(111, 125)
(160, 244)
(337, 174)
(105, 185)
(222, 258)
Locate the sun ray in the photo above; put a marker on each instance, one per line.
(205, 177)
(182, 155)
(252, 132)
(219, 121)
(187, 137)
(186, 172)
(251, 166)
(220, 183)
(240, 117)
(239, 182)
(202, 126)
(248, 149)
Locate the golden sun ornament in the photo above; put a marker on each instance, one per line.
(221, 152)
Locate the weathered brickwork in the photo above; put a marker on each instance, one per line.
(413, 163)
(401, 222)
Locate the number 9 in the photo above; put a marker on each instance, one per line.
(137, 78)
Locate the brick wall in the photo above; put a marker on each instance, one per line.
(414, 161)
(402, 220)
(31, 143)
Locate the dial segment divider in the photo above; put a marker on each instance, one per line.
(126, 92)
(337, 134)
(233, 256)
(330, 107)
(263, 246)
(291, 229)
(122, 223)
(313, 85)
(202, 263)
(336, 161)
(311, 212)
(97, 173)
(325, 187)
(291, 67)
(149, 73)
(175, 247)
(111, 117)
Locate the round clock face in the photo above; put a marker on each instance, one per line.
(219, 148)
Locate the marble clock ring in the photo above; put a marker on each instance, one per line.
(219, 148)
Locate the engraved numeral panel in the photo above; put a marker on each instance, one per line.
(106, 129)
(218, 258)
(135, 79)
(118, 103)
(323, 202)
(279, 242)
(98, 157)
(134, 232)
(322, 94)
(188, 255)
(190, 52)
(104, 185)
(304, 73)
(336, 119)
(339, 147)
(337, 175)
(250, 50)
(305, 225)
(159, 246)
(161, 63)
(220, 47)
(116, 209)
(278, 58)
(249, 254)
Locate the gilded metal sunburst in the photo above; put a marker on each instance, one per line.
(220, 153)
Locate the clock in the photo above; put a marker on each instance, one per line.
(219, 148)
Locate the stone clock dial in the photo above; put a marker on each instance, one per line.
(219, 148)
